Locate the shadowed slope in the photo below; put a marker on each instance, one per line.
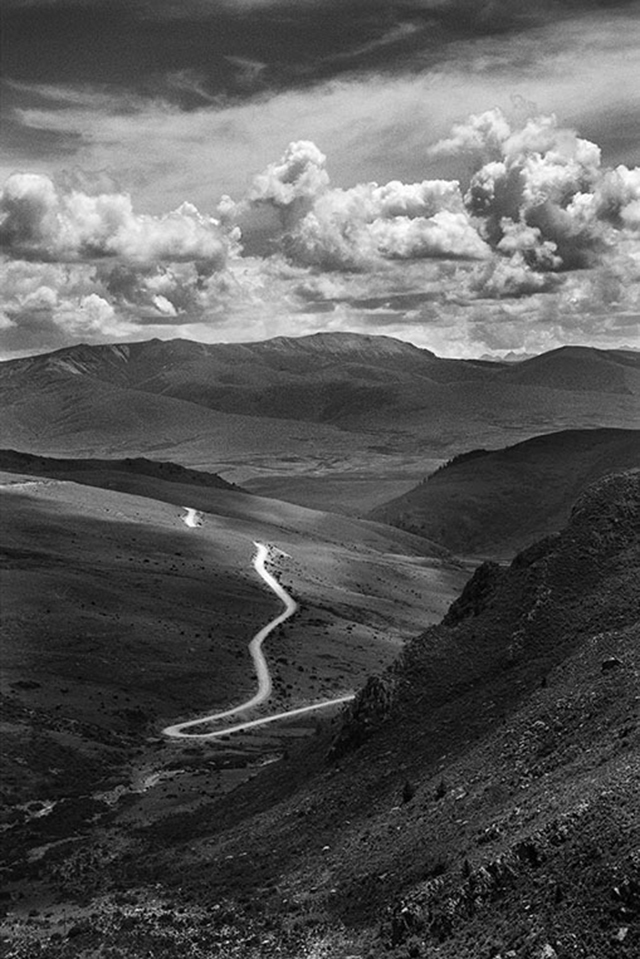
(96, 472)
(494, 502)
(581, 368)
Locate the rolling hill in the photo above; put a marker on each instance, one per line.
(495, 502)
(111, 473)
(281, 413)
(580, 368)
(118, 619)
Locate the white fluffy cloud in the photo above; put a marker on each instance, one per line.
(299, 175)
(617, 197)
(38, 221)
(357, 228)
(543, 199)
(107, 268)
(537, 204)
(539, 245)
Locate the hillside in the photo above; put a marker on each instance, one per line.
(581, 368)
(493, 503)
(118, 619)
(285, 376)
(282, 414)
(111, 473)
(58, 413)
(479, 798)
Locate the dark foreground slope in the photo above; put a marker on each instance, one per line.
(494, 502)
(480, 799)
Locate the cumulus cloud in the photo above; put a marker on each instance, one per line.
(299, 175)
(483, 135)
(46, 305)
(537, 205)
(155, 289)
(358, 228)
(38, 221)
(109, 267)
(511, 277)
(444, 234)
(617, 197)
(542, 195)
(538, 241)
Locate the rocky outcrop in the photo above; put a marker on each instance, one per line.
(368, 710)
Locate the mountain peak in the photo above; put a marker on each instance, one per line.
(345, 343)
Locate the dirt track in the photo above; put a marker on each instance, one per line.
(261, 666)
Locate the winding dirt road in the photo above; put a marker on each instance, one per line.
(192, 519)
(178, 731)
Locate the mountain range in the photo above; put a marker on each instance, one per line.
(369, 415)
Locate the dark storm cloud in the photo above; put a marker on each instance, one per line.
(196, 55)
(236, 47)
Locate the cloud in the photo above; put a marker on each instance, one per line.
(483, 135)
(539, 244)
(541, 192)
(538, 203)
(374, 126)
(300, 174)
(513, 230)
(100, 269)
(38, 221)
(47, 305)
(510, 278)
(157, 291)
(445, 234)
(617, 197)
(355, 229)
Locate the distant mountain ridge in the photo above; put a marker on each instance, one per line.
(171, 367)
(107, 358)
(581, 368)
(307, 406)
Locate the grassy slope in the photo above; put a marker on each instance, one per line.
(287, 412)
(120, 616)
(118, 619)
(496, 503)
(66, 414)
(522, 828)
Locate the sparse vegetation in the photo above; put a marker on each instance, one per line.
(477, 800)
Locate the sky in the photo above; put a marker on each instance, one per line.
(462, 174)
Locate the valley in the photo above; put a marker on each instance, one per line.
(305, 650)
(119, 619)
(331, 421)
